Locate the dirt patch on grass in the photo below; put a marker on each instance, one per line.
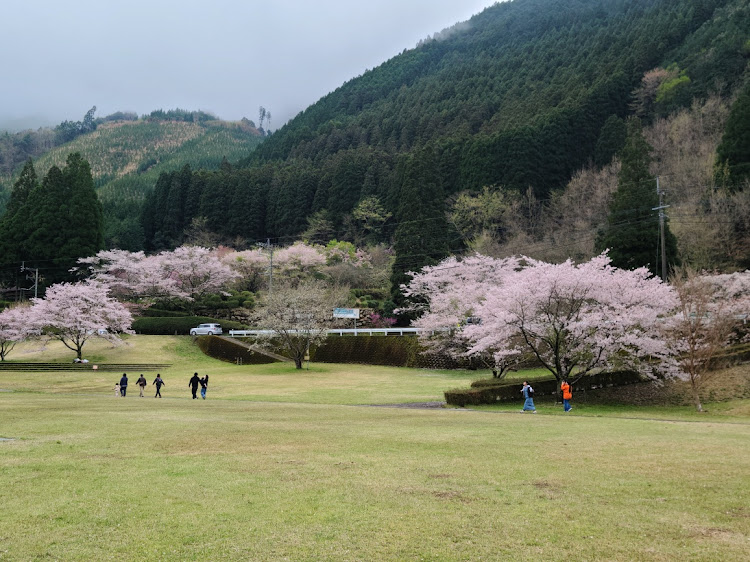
(715, 533)
(417, 405)
(548, 490)
(743, 512)
(452, 496)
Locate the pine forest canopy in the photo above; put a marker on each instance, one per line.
(521, 96)
(52, 223)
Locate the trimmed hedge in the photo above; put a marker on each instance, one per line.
(167, 326)
(484, 392)
(158, 312)
(230, 351)
(394, 351)
(733, 355)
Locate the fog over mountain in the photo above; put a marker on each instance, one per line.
(227, 57)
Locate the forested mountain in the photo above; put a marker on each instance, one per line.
(127, 154)
(51, 223)
(523, 95)
(504, 134)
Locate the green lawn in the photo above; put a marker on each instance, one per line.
(279, 464)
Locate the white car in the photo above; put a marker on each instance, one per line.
(206, 330)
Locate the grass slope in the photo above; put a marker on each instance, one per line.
(279, 464)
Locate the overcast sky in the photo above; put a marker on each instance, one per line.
(228, 57)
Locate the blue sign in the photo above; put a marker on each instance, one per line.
(346, 313)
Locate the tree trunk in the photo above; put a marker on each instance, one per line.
(696, 397)
(298, 362)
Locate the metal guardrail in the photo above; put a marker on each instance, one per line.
(342, 332)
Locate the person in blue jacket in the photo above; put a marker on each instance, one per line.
(124, 384)
(204, 386)
(528, 395)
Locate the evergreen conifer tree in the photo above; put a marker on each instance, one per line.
(25, 184)
(733, 153)
(85, 228)
(65, 220)
(422, 238)
(14, 223)
(632, 230)
(611, 140)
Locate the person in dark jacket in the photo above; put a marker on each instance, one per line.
(124, 384)
(141, 382)
(193, 384)
(204, 386)
(158, 381)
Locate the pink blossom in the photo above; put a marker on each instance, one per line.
(299, 258)
(186, 272)
(75, 312)
(14, 327)
(379, 321)
(570, 318)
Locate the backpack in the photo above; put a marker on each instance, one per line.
(531, 392)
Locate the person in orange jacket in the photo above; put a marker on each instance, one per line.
(567, 393)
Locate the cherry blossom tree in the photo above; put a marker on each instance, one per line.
(339, 262)
(194, 271)
(299, 261)
(129, 275)
(252, 267)
(448, 297)
(298, 315)
(572, 318)
(710, 312)
(186, 273)
(75, 312)
(14, 327)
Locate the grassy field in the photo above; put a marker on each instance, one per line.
(279, 464)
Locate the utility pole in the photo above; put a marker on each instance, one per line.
(30, 278)
(662, 230)
(268, 246)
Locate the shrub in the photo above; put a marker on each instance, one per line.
(485, 392)
(395, 351)
(152, 312)
(231, 351)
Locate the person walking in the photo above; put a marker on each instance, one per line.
(567, 393)
(141, 382)
(204, 386)
(117, 389)
(158, 381)
(193, 384)
(528, 395)
(124, 384)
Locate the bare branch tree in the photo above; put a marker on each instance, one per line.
(299, 315)
(709, 311)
